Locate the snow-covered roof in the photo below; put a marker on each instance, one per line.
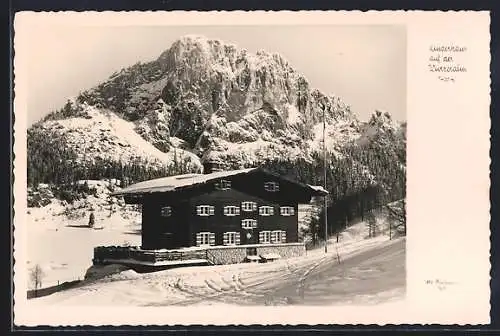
(318, 188)
(171, 183)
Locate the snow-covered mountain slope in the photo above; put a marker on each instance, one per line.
(381, 126)
(101, 134)
(208, 100)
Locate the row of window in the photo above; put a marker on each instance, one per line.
(233, 238)
(268, 186)
(231, 210)
(277, 236)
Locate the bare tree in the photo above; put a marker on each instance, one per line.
(36, 276)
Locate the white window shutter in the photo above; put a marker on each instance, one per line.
(211, 239)
(237, 210)
(271, 211)
(237, 238)
(254, 206)
(198, 239)
(225, 210)
(225, 238)
(198, 210)
(273, 236)
(211, 210)
(292, 211)
(261, 237)
(283, 236)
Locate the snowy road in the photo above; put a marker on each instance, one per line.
(367, 277)
(371, 276)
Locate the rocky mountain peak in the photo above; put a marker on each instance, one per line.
(206, 99)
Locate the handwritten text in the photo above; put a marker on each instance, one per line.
(440, 284)
(444, 61)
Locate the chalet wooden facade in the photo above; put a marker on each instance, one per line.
(245, 207)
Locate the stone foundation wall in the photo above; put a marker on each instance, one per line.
(218, 255)
(285, 251)
(225, 256)
(237, 254)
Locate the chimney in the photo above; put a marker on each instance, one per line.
(212, 166)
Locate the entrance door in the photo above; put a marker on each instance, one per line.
(250, 237)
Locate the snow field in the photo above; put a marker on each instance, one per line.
(182, 286)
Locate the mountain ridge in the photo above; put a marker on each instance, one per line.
(204, 100)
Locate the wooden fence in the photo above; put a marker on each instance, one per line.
(34, 293)
(109, 253)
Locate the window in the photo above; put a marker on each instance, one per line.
(231, 210)
(278, 236)
(266, 210)
(231, 238)
(248, 206)
(166, 211)
(205, 210)
(271, 186)
(223, 185)
(287, 211)
(205, 239)
(264, 237)
(248, 223)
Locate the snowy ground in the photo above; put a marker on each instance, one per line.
(64, 247)
(242, 284)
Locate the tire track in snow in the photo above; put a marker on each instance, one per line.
(250, 286)
(349, 267)
(302, 281)
(236, 288)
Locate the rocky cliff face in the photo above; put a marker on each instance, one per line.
(204, 100)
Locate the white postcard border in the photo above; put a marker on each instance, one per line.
(448, 176)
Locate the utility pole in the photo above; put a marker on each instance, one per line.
(324, 181)
(85, 172)
(390, 230)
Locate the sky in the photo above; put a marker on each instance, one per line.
(363, 65)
